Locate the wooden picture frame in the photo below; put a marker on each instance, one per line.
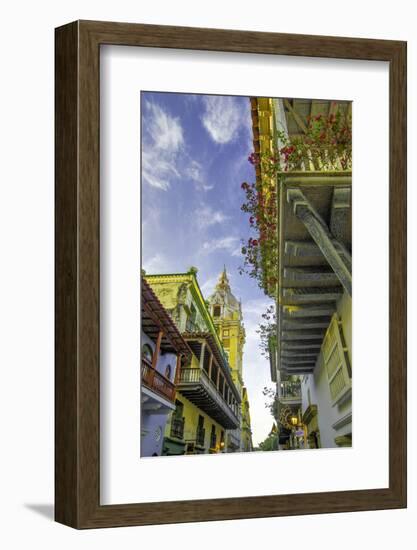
(77, 406)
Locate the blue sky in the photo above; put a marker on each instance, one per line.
(194, 159)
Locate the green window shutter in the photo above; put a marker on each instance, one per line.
(336, 361)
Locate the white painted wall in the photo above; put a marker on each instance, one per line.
(26, 229)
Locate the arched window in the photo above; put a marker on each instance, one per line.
(217, 310)
(168, 372)
(147, 352)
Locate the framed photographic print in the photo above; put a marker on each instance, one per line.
(230, 274)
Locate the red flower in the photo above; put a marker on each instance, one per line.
(253, 158)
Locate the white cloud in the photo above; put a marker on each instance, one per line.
(206, 216)
(222, 118)
(155, 264)
(163, 142)
(158, 169)
(195, 172)
(164, 155)
(225, 243)
(237, 252)
(165, 131)
(255, 308)
(207, 287)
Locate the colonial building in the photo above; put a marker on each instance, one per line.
(207, 404)
(313, 283)
(226, 312)
(163, 348)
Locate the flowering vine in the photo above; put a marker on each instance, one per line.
(326, 145)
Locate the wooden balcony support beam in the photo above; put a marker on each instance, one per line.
(178, 368)
(320, 233)
(156, 353)
(203, 349)
(310, 275)
(301, 249)
(302, 361)
(297, 117)
(306, 323)
(300, 312)
(298, 354)
(210, 365)
(291, 346)
(310, 295)
(289, 335)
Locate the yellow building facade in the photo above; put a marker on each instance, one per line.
(246, 430)
(200, 435)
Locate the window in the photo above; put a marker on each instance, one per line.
(217, 310)
(200, 435)
(179, 409)
(213, 437)
(336, 362)
(191, 321)
(147, 352)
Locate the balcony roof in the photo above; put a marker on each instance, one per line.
(156, 318)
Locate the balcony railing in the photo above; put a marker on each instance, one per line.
(195, 384)
(177, 428)
(290, 391)
(157, 382)
(200, 436)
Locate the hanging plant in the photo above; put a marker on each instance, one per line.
(325, 146)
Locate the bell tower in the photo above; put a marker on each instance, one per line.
(226, 311)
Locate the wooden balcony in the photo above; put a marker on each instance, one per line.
(289, 393)
(157, 382)
(196, 386)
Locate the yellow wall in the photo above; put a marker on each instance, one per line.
(191, 414)
(246, 435)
